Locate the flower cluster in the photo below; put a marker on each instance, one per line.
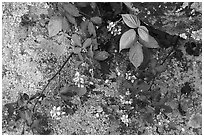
(114, 28)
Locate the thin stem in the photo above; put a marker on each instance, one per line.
(51, 80)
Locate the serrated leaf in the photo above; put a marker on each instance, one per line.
(54, 26)
(101, 55)
(71, 9)
(127, 39)
(136, 54)
(152, 43)
(71, 19)
(87, 43)
(77, 39)
(91, 29)
(97, 20)
(65, 25)
(143, 33)
(131, 20)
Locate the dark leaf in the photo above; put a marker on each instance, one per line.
(161, 68)
(25, 96)
(73, 90)
(182, 112)
(117, 7)
(167, 109)
(71, 19)
(147, 56)
(143, 86)
(127, 84)
(91, 29)
(101, 55)
(11, 108)
(186, 90)
(148, 117)
(97, 20)
(65, 25)
(84, 26)
(82, 4)
(71, 9)
(81, 91)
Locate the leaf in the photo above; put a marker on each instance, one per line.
(91, 29)
(152, 43)
(131, 20)
(84, 26)
(101, 55)
(97, 20)
(28, 117)
(167, 109)
(25, 96)
(36, 124)
(77, 40)
(93, 5)
(143, 86)
(54, 26)
(82, 4)
(73, 90)
(90, 51)
(69, 91)
(143, 33)
(71, 9)
(95, 44)
(87, 43)
(52, 47)
(81, 91)
(186, 89)
(65, 25)
(195, 121)
(71, 19)
(147, 54)
(127, 39)
(136, 54)
(11, 108)
(76, 50)
(161, 68)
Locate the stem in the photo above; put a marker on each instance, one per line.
(51, 80)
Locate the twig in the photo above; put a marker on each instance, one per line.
(51, 80)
